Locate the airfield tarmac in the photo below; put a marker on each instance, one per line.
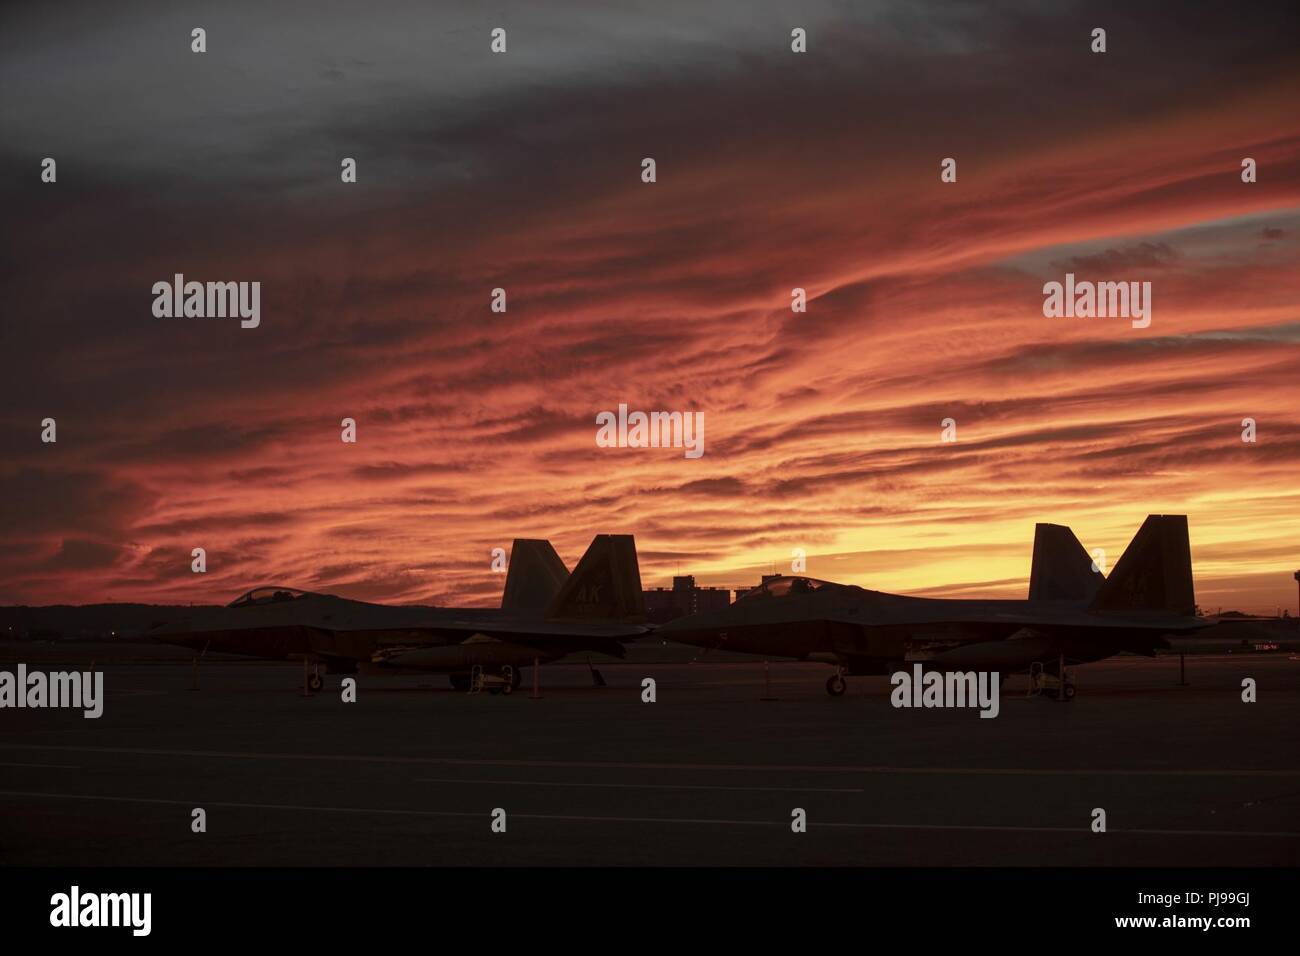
(708, 774)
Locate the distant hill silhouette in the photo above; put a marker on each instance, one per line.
(88, 621)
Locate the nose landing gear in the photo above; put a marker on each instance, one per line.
(835, 684)
(312, 681)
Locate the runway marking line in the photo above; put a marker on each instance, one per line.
(625, 765)
(645, 786)
(47, 766)
(567, 817)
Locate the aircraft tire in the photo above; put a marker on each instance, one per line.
(835, 685)
(508, 689)
(315, 682)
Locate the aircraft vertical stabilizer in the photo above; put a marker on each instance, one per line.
(606, 584)
(536, 575)
(1154, 573)
(1062, 569)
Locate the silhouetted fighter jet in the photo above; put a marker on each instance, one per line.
(1073, 614)
(545, 613)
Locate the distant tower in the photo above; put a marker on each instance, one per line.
(1297, 580)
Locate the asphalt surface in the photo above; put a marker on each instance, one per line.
(710, 773)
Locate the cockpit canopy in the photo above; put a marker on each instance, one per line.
(268, 595)
(783, 587)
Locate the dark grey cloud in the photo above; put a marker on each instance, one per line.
(1143, 255)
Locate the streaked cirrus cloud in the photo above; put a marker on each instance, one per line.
(775, 171)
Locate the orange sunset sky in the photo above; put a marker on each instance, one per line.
(522, 171)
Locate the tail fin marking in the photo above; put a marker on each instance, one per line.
(606, 584)
(1154, 573)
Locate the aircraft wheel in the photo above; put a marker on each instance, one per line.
(507, 688)
(835, 685)
(513, 674)
(1068, 692)
(315, 682)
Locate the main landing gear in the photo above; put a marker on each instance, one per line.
(836, 684)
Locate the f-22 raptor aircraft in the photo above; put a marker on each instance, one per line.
(1073, 615)
(545, 613)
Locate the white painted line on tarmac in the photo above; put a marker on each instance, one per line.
(643, 786)
(565, 817)
(47, 766)
(628, 765)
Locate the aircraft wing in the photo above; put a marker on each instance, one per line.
(543, 635)
(549, 638)
(1041, 620)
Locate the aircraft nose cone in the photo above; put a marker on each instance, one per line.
(170, 630)
(684, 630)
